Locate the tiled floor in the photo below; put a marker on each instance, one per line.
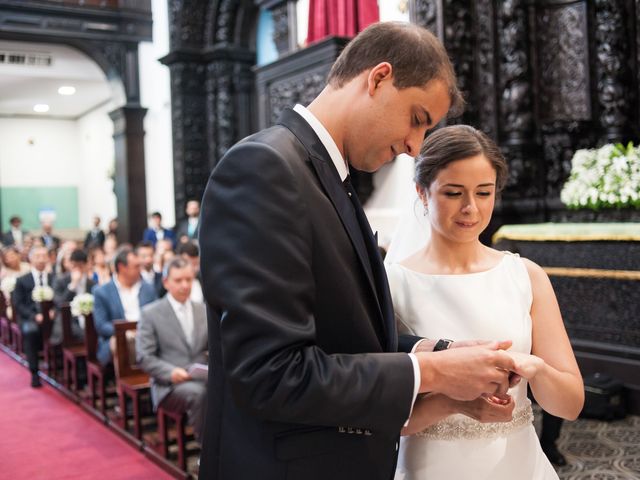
(598, 450)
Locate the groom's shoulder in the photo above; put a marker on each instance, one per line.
(275, 144)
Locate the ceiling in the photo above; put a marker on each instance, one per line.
(51, 66)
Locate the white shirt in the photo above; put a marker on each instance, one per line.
(129, 300)
(36, 277)
(149, 276)
(184, 312)
(17, 236)
(196, 291)
(343, 170)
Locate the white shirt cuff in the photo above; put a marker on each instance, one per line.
(416, 382)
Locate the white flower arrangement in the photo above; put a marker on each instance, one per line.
(8, 285)
(607, 177)
(42, 294)
(82, 304)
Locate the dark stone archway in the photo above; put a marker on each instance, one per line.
(110, 37)
(212, 53)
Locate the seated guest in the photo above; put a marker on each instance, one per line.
(145, 252)
(65, 288)
(110, 246)
(191, 253)
(95, 236)
(48, 238)
(119, 299)
(29, 314)
(157, 232)
(28, 242)
(63, 256)
(100, 270)
(12, 264)
(112, 229)
(172, 336)
(15, 235)
(188, 228)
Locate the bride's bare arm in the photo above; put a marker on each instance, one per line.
(552, 369)
(433, 407)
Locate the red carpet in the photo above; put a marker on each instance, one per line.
(46, 436)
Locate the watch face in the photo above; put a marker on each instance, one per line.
(442, 344)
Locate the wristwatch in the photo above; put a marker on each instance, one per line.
(442, 344)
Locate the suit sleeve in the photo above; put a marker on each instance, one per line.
(256, 264)
(147, 350)
(103, 323)
(61, 291)
(26, 307)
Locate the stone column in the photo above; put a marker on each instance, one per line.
(130, 190)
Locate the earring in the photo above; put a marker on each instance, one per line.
(426, 210)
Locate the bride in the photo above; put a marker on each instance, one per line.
(453, 287)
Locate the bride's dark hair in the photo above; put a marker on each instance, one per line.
(457, 142)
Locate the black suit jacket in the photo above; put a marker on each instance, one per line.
(24, 304)
(7, 238)
(94, 239)
(304, 382)
(183, 230)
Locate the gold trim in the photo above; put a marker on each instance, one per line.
(565, 238)
(592, 273)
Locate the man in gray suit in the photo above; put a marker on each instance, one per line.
(172, 336)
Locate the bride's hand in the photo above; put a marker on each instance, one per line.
(488, 409)
(527, 366)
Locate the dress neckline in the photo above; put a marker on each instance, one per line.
(456, 275)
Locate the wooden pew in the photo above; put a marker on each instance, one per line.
(131, 381)
(5, 323)
(16, 333)
(74, 351)
(50, 352)
(96, 373)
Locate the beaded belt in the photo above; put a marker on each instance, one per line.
(469, 429)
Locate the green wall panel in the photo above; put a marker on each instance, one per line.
(27, 202)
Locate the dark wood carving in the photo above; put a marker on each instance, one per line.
(426, 13)
(485, 80)
(516, 106)
(458, 39)
(280, 14)
(301, 89)
(563, 60)
(615, 95)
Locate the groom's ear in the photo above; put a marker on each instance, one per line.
(377, 75)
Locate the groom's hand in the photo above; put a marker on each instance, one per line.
(466, 373)
(489, 409)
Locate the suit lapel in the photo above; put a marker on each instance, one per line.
(175, 323)
(119, 314)
(333, 187)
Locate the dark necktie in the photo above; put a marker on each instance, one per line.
(41, 278)
(375, 266)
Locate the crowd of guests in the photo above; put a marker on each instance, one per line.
(154, 282)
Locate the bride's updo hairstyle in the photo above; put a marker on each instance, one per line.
(457, 142)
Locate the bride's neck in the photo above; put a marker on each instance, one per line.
(453, 257)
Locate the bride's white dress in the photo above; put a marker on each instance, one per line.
(491, 305)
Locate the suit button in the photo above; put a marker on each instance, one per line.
(359, 431)
(341, 430)
(367, 432)
(350, 430)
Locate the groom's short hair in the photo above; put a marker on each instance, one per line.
(415, 54)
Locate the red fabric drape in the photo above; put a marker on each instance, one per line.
(344, 18)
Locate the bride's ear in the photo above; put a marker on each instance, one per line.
(421, 194)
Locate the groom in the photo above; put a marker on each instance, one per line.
(306, 379)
